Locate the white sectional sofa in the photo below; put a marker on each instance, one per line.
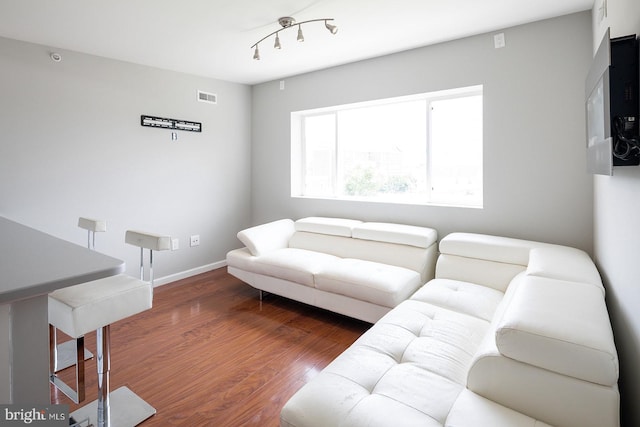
(510, 333)
(359, 269)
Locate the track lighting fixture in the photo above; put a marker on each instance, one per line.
(288, 22)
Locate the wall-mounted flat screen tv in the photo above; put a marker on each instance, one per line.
(612, 106)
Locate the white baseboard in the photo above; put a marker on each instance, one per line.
(188, 273)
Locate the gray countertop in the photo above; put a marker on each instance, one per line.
(35, 263)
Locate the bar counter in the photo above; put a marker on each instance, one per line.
(33, 264)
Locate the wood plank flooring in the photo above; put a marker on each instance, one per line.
(210, 353)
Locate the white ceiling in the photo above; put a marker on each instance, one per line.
(213, 38)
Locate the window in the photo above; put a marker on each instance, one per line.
(422, 149)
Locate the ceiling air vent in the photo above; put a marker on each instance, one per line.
(207, 97)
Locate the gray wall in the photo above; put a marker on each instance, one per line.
(617, 238)
(535, 184)
(71, 145)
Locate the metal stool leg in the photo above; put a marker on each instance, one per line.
(80, 358)
(78, 394)
(129, 409)
(103, 358)
(142, 264)
(53, 351)
(150, 265)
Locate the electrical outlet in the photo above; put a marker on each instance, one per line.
(175, 244)
(195, 240)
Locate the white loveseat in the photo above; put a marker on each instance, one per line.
(510, 333)
(359, 269)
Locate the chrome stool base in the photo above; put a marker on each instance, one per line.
(127, 409)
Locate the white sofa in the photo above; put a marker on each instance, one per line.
(510, 333)
(359, 269)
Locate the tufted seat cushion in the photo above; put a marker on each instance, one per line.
(410, 366)
(83, 308)
(463, 297)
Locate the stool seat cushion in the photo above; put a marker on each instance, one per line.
(89, 306)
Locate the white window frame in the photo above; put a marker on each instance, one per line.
(298, 145)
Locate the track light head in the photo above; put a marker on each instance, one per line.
(256, 54)
(277, 44)
(332, 28)
(300, 37)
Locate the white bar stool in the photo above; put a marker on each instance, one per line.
(79, 309)
(65, 354)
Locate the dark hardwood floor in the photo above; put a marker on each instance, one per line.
(210, 353)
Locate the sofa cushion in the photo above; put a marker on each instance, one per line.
(463, 297)
(339, 246)
(381, 284)
(408, 369)
(562, 327)
(419, 259)
(471, 409)
(402, 234)
(489, 248)
(267, 237)
(493, 274)
(323, 225)
(296, 265)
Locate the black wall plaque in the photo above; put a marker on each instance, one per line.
(163, 123)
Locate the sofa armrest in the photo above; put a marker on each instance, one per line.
(267, 237)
